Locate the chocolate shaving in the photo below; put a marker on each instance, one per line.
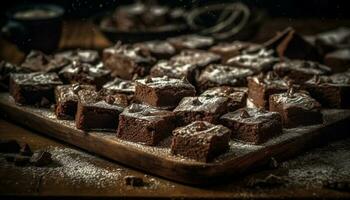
(244, 114)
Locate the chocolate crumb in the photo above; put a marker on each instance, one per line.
(244, 114)
(134, 181)
(26, 151)
(41, 158)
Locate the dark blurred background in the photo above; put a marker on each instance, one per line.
(275, 8)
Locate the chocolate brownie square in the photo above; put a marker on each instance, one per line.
(158, 49)
(35, 88)
(296, 108)
(85, 73)
(95, 113)
(222, 75)
(253, 125)
(174, 70)
(196, 57)
(259, 61)
(191, 42)
(331, 91)
(84, 56)
(300, 70)
(6, 69)
(162, 92)
(261, 86)
(237, 95)
(128, 61)
(200, 140)
(144, 124)
(332, 40)
(37, 61)
(289, 44)
(338, 61)
(67, 99)
(229, 50)
(203, 108)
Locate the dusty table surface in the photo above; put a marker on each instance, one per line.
(76, 173)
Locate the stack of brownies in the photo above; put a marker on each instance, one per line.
(190, 88)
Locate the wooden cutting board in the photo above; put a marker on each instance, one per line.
(158, 160)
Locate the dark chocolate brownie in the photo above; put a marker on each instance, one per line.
(191, 42)
(334, 39)
(222, 75)
(196, 57)
(229, 50)
(39, 62)
(162, 91)
(85, 73)
(338, 61)
(85, 56)
(34, 88)
(174, 70)
(200, 140)
(158, 49)
(288, 43)
(253, 125)
(300, 70)
(94, 112)
(203, 108)
(67, 99)
(144, 124)
(128, 61)
(261, 86)
(296, 108)
(237, 95)
(258, 61)
(6, 69)
(331, 91)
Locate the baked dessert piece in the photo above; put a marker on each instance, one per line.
(84, 56)
(260, 61)
(289, 44)
(191, 42)
(95, 113)
(196, 57)
(67, 99)
(237, 96)
(174, 70)
(37, 61)
(120, 89)
(338, 61)
(296, 108)
(222, 75)
(128, 61)
(331, 91)
(229, 50)
(6, 69)
(144, 124)
(162, 92)
(253, 125)
(85, 73)
(300, 70)
(261, 86)
(158, 48)
(200, 140)
(334, 39)
(203, 108)
(35, 88)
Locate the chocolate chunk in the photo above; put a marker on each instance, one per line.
(9, 146)
(26, 151)
(134, 181)
(41, 158)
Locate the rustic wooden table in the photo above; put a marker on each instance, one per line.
(77, 173)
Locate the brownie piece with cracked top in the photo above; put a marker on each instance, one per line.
(145, 124)
(200, 140)
(37, 61)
